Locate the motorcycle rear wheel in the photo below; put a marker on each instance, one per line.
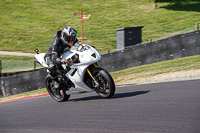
(57, 94)
(106, 87)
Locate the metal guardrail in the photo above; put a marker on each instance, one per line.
(167, 49)
(19, 82)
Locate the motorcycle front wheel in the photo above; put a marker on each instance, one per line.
(57, 94)
(106, 86)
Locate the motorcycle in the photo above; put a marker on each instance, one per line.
(81, 76)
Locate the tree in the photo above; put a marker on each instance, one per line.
(155, 2)
(172, 1)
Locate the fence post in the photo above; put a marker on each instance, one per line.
(3, 87)
(0, 67)
(34, 64)
(197, 26)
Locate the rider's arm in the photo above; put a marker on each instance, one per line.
(76, 41)
(55, 53)
(55, 58)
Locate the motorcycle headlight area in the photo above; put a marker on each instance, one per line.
(94, 55)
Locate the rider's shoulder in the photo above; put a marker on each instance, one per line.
(58, 34)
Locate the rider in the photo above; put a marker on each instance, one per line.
(62, 41)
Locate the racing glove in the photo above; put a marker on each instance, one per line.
(73, 59)
(66, 61)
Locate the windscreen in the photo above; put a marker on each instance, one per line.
(80, 46)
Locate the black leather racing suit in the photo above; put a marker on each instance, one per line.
(56, 49)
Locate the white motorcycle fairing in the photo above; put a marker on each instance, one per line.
(40, 59)
(87, 56)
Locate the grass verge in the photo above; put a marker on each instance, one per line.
(17, 63)
(25, 94)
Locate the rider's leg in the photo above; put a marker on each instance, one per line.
(51, 67)
(52, 70)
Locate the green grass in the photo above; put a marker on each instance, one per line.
(29, 24)
(132, 75)
(25, 94)
(182, 64)
(17, 63)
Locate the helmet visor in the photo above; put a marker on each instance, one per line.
(69, 39)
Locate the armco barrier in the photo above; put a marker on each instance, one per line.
(167, 49)
(15, 83)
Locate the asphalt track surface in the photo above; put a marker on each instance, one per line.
(172, 107)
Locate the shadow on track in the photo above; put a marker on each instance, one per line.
(116, 96)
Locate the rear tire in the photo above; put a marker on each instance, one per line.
(57, 94)
(106, 87)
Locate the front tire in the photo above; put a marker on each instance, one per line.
(57, 94)
(106, 86)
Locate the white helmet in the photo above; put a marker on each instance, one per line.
(68, 35)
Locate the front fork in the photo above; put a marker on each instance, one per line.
(96, 83)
